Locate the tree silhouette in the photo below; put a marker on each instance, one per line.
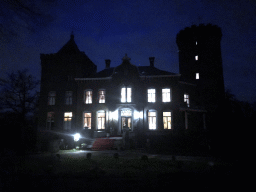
(18, 93)
(18, 15)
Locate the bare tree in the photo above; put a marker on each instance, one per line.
(18, 15)
(18, 93)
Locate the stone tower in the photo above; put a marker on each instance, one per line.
(200, 63)
(58, 86)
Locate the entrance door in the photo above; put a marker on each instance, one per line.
(126, 123)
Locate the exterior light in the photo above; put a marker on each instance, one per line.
(138, 114)
(77, 137)
(113, 115)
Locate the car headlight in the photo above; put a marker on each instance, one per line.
(77, 137)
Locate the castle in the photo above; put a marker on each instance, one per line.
(149, 103)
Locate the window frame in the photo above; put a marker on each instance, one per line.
(151, 96)
(126, 96)
(100, 122)
(87, 99)
(187, 99)
(69, 97)
(52, 98)
(102, 95)
(87, 112)
(153, 118)
(68, 126)
(168, 96)
(167, 120)
(50, 120)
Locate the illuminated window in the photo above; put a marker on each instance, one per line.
(166, 95)
(126, 94)
(68, 97)
(88, 97)
(101, 120)
(152, 120)
(186, 99)
(51, 98)
(50, 121)
(151, 95)
(102, 95)
(196, 57)
(67, 120)
(167, 120)
(197, 75)
(196, 42)
(88, 120)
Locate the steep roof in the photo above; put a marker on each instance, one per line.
(70, 47)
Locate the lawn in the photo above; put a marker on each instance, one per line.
(106, 172)
(105, 165)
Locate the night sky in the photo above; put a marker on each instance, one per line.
(140, 28)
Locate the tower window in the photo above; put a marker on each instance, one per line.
(196, 57)
(51, 98)
(186, 99)
(197, 75)
(50, 121)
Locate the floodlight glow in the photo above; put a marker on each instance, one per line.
(77, 137)
(113, 115)
(138, 114)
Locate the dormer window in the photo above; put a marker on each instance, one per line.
(126, 94)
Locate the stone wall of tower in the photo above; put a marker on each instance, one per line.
(57, 74)
(200, 62)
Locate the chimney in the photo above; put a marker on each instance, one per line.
(151, 60)
(107, 61)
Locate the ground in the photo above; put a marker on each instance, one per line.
(118, 170)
